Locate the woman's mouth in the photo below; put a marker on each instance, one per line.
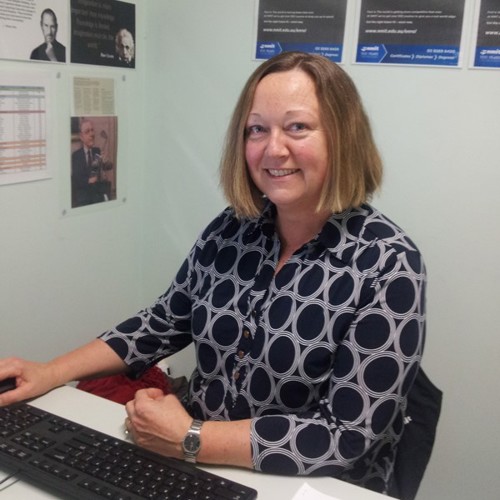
(281, 172)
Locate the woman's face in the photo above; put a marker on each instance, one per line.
(286, 149)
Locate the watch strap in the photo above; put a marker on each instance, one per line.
(194, 432)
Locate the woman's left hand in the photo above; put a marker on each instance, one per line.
(157, 422)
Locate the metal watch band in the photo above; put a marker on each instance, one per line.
(191, 444)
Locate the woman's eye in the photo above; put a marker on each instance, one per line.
(254, 130)
(298, 127)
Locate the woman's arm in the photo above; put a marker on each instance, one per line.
(160, 423)
(226, 443)
(33, 378)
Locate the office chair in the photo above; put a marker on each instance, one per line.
(415, 448)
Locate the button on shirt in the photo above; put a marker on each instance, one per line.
(320, 356)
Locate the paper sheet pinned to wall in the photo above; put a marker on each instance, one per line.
(306, 492)
(93, 96)
(24, 110)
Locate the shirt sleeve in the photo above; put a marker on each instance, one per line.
(374, 365)
(156, 331)
(165, 327)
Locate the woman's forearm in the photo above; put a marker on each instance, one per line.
(92, 360)
(226, 443)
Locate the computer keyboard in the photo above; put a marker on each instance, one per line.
(87, 464)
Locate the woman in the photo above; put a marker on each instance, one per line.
(305, 304)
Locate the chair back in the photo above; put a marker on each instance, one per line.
(415, 448)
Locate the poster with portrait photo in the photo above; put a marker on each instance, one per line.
(93, 160)
(103, 33)
(37, 30)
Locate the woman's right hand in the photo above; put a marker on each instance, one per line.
(91, 360)
(32, 379)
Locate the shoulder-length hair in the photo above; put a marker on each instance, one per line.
(355, 163)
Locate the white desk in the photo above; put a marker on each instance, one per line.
(108, 417)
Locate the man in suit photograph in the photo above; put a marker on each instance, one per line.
(89, 183)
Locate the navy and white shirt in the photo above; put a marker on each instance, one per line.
(320, 355)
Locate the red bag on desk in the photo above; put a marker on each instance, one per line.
(122, 389)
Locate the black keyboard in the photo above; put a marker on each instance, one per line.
(87, 464)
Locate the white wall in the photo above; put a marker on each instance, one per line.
(64, 279)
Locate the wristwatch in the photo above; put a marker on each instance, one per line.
(192, 444)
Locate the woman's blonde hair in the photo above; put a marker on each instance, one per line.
(356, 166)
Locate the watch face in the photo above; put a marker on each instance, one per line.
(192, 443)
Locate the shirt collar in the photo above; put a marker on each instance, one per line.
(265, 222)
(338, 236)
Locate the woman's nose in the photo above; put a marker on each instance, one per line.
(276, 145)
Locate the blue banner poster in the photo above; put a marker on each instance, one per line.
(313, 26)
(413, 32)
(487, 53)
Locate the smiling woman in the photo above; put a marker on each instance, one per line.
(286, 147)
(355, 167)
(304, 303)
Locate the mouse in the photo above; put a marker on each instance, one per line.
(7, 384)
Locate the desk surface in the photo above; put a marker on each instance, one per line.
(108, 417)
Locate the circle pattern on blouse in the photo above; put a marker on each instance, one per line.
(320, 355)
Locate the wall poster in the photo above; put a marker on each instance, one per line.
(314, 26)
(93, 159)
(413, 32)
(94, 142)
(103, 33)
(34, 30)
(487, 50)
(23, 128)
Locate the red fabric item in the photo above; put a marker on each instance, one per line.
(121, 389)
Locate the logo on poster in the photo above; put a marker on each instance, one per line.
(370, 51)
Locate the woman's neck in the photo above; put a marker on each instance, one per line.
(295, 231)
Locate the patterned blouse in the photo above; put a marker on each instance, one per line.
(320, 356)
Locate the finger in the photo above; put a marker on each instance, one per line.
(127, 427)
(129, 408)
(13, 396)
(145, 395)
(152, 393)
